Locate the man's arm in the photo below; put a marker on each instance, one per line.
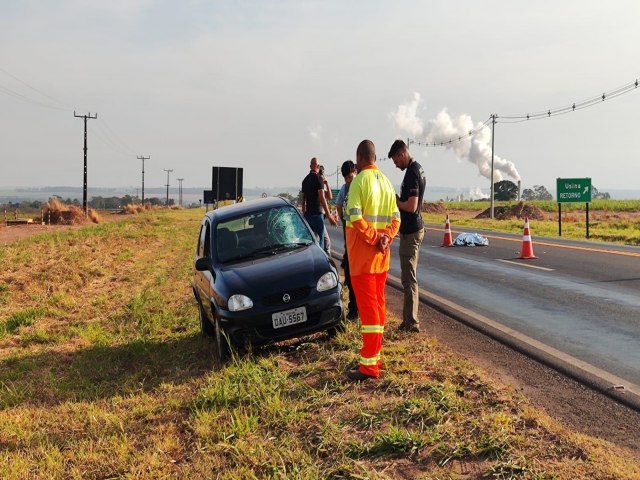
(327, 188)
(412, 189)
(410, 205)
(304, 204)
(340, 203)
(323, 201)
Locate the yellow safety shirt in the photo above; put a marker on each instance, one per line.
(371, 211)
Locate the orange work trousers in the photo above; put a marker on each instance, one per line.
(369, 290)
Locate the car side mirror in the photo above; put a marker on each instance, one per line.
(203, 264)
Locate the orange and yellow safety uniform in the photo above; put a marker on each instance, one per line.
(371, 211)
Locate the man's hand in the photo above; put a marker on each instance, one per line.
(332, 220)
(384, 242)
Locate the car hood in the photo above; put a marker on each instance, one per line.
(271, 274)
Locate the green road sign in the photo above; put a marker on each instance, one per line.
(334, 193)
(573, 190)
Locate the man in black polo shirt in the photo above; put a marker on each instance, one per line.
(314, 204)
(411, 230)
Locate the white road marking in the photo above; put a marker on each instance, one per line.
(525, 265)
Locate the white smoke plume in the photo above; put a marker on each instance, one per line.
(475, 193)
(475, 149)
(315, 132)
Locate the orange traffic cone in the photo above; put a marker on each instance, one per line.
(447, 241)
(527, 246)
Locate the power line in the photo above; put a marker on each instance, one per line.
(36, 90)
(452, 140)
(114, 135)
(538, 115)
(108, 142)
(105, 133)
(26, 99)
(572, 107)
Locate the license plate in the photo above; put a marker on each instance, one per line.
(289, 317)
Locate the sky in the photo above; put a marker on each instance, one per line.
(266, 85)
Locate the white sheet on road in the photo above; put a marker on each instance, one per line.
(471, 240)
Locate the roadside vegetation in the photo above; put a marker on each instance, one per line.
(614, 221)
(103, 374)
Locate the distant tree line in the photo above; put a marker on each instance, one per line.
(538, 192)
(98, 203)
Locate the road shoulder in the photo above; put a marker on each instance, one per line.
(576, 406)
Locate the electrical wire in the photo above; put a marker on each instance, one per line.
(551, 112)
(451, 141)
(108, 142)
(104, 133)
(114, 138)
(589, 102)
(26, 99)
(35, 89)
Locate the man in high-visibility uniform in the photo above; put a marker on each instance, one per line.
(373, 220)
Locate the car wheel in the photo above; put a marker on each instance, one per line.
(206, 328)
(335, 330)
(221, 342)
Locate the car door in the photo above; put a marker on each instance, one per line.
(203, 279)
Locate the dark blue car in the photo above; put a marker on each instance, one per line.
(260, 276)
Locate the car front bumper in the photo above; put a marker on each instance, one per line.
(256, 326)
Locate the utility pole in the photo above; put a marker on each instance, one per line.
(143, 158)
(168, 172)
(180, 191)
(493, 136)
(84, 188)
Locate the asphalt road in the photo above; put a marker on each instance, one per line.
(579, 298)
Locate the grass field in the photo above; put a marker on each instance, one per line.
(103, 374)
(613, 221)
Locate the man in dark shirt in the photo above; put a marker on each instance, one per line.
(349, 172)
(314, 203)
(411, 230)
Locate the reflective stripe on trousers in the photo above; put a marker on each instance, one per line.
(369, 289)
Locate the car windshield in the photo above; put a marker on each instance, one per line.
(265, 232)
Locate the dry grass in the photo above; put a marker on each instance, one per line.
(132, 209)
(56, 212)
(103, 375)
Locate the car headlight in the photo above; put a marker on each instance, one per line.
(239, 302)
(327, 282)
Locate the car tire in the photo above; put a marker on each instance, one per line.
(206, 328)
(335, 330)
(220, 342)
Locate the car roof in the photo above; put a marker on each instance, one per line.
(238, 209)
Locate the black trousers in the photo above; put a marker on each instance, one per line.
(353, 307)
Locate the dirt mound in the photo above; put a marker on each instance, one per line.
(58, 213)
(520, 210)
(434, 207)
